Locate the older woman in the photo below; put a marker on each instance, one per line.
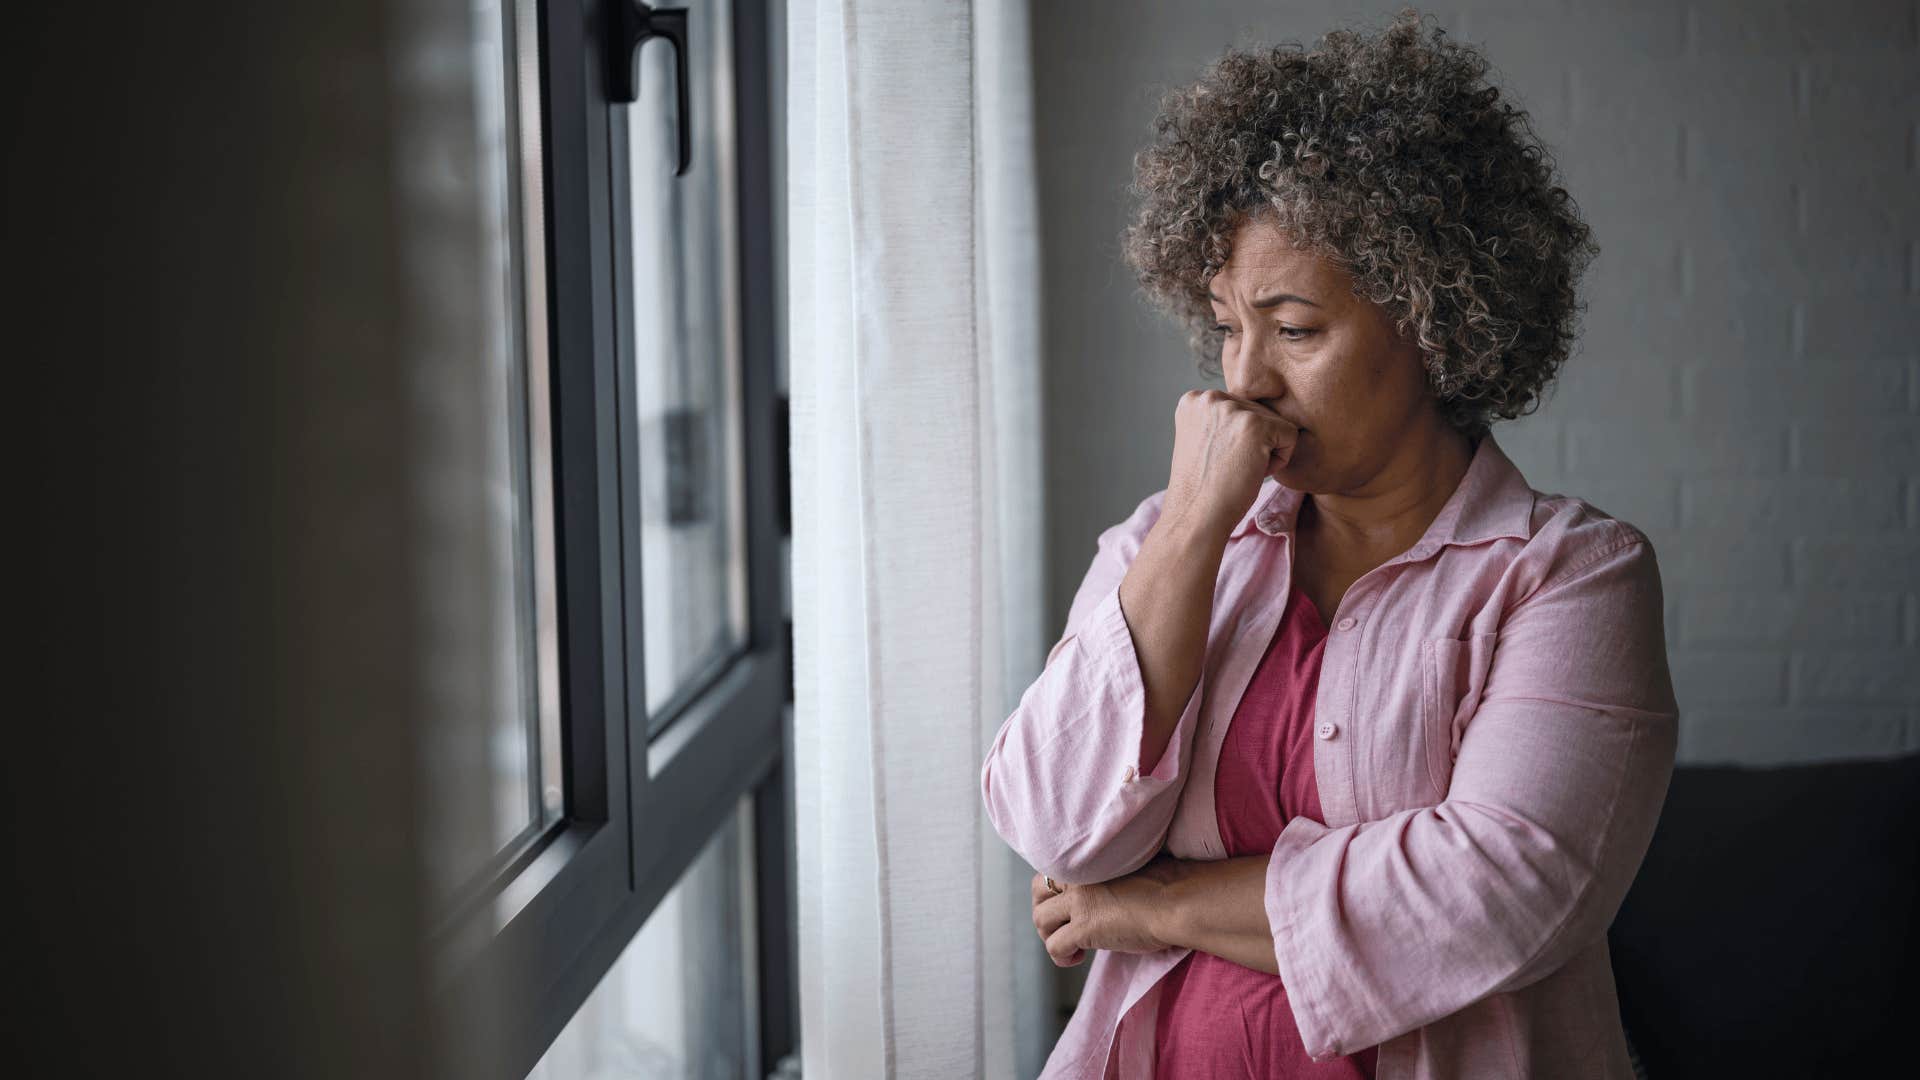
(1354, 741)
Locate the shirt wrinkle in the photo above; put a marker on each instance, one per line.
(1575, 571)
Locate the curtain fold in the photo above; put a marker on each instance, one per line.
(914, 352)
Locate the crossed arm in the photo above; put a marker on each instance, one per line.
(1215, 907)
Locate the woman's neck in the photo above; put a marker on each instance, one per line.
(1396, 507)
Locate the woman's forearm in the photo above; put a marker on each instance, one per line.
(1218, 907)
(1167, 599)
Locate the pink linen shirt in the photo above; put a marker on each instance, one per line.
(1495, 732)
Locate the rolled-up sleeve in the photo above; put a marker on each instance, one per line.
(1381, 927)
(1061, 780)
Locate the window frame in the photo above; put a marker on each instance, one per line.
(529, 948)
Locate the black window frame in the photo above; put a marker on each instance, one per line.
(639, 810)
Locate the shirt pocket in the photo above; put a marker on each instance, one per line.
(1453, 674)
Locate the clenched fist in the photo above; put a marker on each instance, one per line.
(1223, 447)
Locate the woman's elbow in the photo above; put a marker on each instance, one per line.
(1010, 809)
(1081, 862)
(1003, 817)
(1052, 846)
(1090, 860)
(1019, 814)
(1552, 913)
(1045, 798)
(1022, 803)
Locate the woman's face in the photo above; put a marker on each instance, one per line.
(1300, 342)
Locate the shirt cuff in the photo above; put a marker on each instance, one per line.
(1302, 971)
(1118, 662)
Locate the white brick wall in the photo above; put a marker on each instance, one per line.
(1748, 385)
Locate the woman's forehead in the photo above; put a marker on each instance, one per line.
(1263, 258)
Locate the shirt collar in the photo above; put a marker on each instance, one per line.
(1492, 500)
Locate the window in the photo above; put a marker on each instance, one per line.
(686, 321)
(677, 1002)
(491, 495)
(621, 774)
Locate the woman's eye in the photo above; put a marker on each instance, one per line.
(1287, 333)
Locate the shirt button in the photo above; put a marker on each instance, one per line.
(1346, 623)
(1128, 775)
(1327, 729)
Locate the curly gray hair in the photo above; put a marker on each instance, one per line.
(1391, 156)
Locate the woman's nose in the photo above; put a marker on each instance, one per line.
(1252, 380)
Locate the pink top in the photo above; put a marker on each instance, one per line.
(1218, 1019)
(1495, 729)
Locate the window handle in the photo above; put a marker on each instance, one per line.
(633, 23)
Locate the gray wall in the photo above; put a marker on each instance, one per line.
(1747, 390)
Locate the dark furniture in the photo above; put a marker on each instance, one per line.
(1772, 929)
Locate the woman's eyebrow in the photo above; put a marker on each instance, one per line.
(1270, 301)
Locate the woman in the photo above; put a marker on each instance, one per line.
(1354, 741)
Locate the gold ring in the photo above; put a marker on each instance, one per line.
(1057, 890)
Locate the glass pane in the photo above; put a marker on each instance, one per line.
(529, 186)
(475, 188)
(687, 358)
(679, 1002)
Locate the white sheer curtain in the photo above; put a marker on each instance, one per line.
(914, 344)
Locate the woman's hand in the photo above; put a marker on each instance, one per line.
(1223, 447)
(1114, 915)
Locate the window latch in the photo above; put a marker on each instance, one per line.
(632, 23)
